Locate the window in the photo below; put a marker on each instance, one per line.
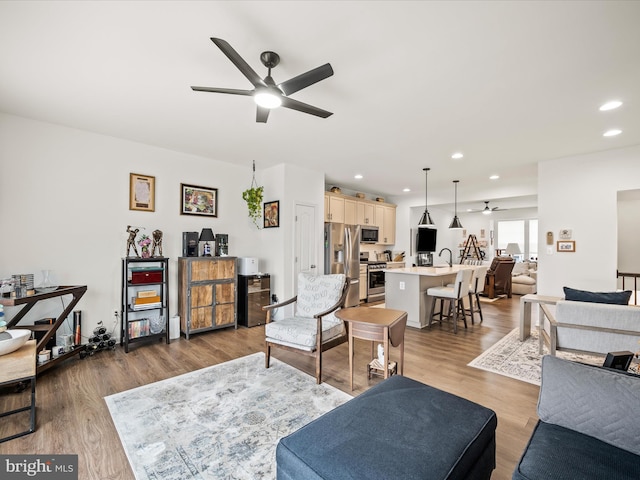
(522, 232)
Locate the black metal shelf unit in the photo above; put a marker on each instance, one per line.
(145, 300)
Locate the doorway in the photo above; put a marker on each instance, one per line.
(306, 244)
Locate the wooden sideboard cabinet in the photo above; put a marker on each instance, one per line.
(207, 293)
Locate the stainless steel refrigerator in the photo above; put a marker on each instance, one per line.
(342, 255)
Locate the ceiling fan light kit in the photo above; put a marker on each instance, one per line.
(266, 94)
(455, 223)
(425, 220)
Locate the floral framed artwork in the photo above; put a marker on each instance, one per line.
(196, 200)
(566, 246)
(271, 214)
(142, 192)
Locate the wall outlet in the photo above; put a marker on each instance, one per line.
(549, 250)
(401, 285)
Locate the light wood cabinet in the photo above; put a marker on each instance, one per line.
(333, 208)
(350, 215)
(385, 216)
(207, 293)
(365, 213)
(339, 208)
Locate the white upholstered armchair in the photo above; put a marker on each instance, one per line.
(313, 328)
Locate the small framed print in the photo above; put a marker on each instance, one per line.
(271, 214)
(566, 246)
(142, 192)
(195, 200)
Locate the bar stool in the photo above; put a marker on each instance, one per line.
(454, 296)
(476, 288)
(16, 367)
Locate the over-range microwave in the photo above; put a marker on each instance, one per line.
(368, 234)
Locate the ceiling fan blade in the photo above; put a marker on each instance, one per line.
(262, 114)
(239, 62)
(232, 91)
(305, 79)
(303, 107)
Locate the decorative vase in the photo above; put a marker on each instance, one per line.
(145, 252)
(47, 284)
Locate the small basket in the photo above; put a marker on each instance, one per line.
(359, 195)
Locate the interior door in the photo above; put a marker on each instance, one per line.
(306, 252)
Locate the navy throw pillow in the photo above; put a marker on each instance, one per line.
(615, 298)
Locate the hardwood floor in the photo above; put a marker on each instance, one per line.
(72, 417)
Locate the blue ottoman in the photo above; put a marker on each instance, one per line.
(399, 429)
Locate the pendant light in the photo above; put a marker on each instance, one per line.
(455, 223)
(425, 220)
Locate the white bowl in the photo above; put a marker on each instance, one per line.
(18, 338)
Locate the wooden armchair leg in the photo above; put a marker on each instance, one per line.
(267, 356)
(319, 367)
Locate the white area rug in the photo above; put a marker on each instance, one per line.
(520, 360)
(220, 422)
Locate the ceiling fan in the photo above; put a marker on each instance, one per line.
(266, 93)
(488, 210)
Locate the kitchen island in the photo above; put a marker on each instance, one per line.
(406, 289)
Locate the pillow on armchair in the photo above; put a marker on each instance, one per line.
(613, 298)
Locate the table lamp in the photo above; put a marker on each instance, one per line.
(513, 249)
(206, 235)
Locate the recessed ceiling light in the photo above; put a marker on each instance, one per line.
(406, 189)
(494, 177)
(358, 177)
(457, 155)
(612, 133)
(610, 105)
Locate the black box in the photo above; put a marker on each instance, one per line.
(190, 244)
(618, 360)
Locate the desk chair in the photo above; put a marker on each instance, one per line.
(454, 296)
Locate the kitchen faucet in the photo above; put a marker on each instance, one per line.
(450, 256)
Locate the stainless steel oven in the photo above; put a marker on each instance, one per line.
(375, 281)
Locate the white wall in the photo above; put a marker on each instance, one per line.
(64, 206)
(580, 193)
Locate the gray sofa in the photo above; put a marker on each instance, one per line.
(589, 425)
(590, 327)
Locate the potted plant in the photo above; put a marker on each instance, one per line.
(253, 197)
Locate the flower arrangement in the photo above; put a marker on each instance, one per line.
(144, 243)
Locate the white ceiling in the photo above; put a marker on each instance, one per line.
(507, 83)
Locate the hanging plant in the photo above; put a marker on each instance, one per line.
(253, 197)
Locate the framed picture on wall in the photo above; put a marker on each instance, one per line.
(566, 246)
(142, 192)
(195, 200)
(271, 214)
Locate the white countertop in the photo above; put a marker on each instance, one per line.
(436, 271)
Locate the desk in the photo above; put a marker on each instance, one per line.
(378, 325)
(526, 302)
(20, 366)
(28, 303)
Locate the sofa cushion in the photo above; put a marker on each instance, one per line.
(520, 268)
(524, 279)
(302, 332)
(595, 401)
(616, 298)
(556, 452)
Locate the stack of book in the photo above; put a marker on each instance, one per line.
(139, 328)
(146, 299)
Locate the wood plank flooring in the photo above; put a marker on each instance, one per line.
(72, 417)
